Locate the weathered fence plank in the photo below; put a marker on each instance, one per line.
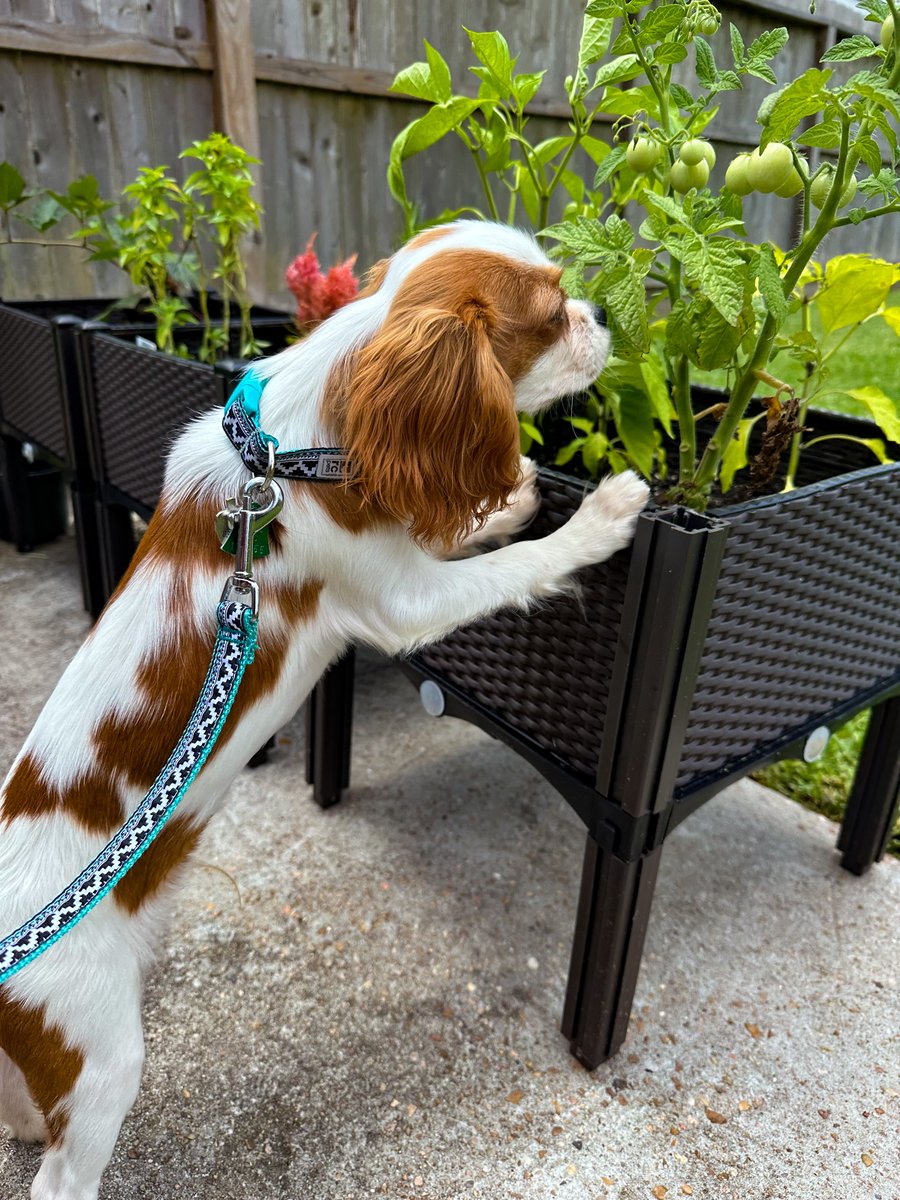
(105, 87)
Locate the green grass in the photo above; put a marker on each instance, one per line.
(869, 358)
(824, 786)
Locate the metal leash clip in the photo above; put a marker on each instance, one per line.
(261, 502)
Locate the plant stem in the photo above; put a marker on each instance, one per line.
(713, 410)
(742, 393)
(485, 183)
(687, 429)
(777, 384)
(659, 92)
(794, 457)
(885, 210)
(243, 304)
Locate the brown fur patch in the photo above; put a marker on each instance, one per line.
(374, 278)
(51, 1067)
(170, 680)
(92, 799)
(429, 236)
(345, 505)
(168, 684)
(176, 841)
(426, 409)
(26, 794)
(184, 533)
(296, 604)
(526, 303)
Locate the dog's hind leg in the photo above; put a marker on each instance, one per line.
(18, 1111)
(71, 1028)
(85, 1126)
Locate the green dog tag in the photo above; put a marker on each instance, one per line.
(260, 543)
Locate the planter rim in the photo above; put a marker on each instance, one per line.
(98, 329)
(809, 489)
(724, 512)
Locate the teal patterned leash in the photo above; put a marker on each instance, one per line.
(232, 653)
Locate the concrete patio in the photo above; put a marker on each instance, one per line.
(365, 1002)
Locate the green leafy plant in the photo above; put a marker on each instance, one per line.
(218, 196)
(142, 240)
(175, 241)
(41, 209)
(687, 294)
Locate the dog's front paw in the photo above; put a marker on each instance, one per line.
(608, 515)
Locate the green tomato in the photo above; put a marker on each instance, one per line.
(792, 185)
(643, 154)
(736, 176)
(694, 151)
(768, 170)
(822, 186)
(684, 177)
(887, 32)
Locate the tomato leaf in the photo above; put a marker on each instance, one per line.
(802, 98)
(855, 287)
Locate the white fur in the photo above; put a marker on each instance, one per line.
(379, 587)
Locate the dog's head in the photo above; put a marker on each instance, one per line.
(474, 326)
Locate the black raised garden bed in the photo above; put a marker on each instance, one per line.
(135, 400)
(47, 399)
(715, 644)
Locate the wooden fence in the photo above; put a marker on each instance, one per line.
(106, 86)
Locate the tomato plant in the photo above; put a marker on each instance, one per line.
(693, 293)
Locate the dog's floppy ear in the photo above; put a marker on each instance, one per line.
(430, 422)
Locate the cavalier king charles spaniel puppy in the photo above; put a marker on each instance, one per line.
(419, 379)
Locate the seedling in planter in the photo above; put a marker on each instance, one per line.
(43, 210)
(218, 195)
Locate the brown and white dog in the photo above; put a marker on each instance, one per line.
(419, 379)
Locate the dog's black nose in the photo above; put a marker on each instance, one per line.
(599, 314)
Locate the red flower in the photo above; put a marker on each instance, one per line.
(341, 286)
(318, 295)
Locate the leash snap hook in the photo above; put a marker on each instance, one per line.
(261, 502)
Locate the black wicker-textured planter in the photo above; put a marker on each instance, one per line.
(135, 401)
(42, 402)
(715, 644)
(40, 405)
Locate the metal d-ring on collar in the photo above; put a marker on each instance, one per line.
(259, 450)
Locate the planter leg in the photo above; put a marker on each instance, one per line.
(613, 911)
(14, 479)
(329, 728)
(261, 757)
(872, 808)
(90, 558)
(116, 536)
